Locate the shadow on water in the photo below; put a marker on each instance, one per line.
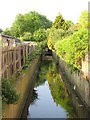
(32, 98)
(50, 95)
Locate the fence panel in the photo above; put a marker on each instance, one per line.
(13, 59)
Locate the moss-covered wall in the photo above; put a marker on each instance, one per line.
(77, 80)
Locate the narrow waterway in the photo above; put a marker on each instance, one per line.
(44, 106)
(49, 97)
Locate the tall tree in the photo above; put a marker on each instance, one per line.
(83, 19)
(56, 31)
(29, 22)
(59, 22)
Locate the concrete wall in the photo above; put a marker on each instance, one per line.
(23, 85)
(77, 79)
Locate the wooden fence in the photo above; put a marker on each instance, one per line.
(13, 59)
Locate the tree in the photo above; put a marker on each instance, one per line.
(59, 22)
(18, 26)
(29, 22)
(39, 35)
(7, 32)
(57, 31)
(69, 23)
(83, 19)
(27, 36)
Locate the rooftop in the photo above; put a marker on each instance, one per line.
(7, 36)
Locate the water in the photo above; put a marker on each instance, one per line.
(45, 107)
(52, 98)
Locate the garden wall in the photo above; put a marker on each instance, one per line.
(81, 85)
(77, 80)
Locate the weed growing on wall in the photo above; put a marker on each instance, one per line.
(9, 94)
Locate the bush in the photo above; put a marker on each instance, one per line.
(73, 48)
(56, 35)
(9, 94)
(39, 35)
(39, 49)
(27, 36)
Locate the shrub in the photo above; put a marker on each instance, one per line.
(39, 35)
(27, 36)
(56, 35)
(9, 94)
(73, 48)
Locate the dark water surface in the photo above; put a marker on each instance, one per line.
(49, 98)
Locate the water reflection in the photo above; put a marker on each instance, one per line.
(51, 99)
(59, 92)
(41, 78)
(45, 107)
(34, 97)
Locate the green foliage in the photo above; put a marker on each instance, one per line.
(57, 32)
(9, 94)
(29, 22)
(47, 32)
(83, 19)
(27, 36)
(69, 23)
(42, 73)
(39, 49)
(59, 22)
(56, 35)
(58, 90)
(7, 31)
(39, 35)
(73, 48)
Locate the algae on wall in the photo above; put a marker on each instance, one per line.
(78, 80)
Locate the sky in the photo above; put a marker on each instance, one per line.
(70, 9)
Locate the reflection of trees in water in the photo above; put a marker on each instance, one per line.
(41, 78)
(34, 96)
(58, 90)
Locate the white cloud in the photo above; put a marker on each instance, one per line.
(70, 9)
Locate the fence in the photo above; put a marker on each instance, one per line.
(13, 58)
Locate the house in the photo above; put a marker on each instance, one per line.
(9, 40)
(17, 42)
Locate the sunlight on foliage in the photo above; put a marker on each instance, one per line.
(73, 48)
